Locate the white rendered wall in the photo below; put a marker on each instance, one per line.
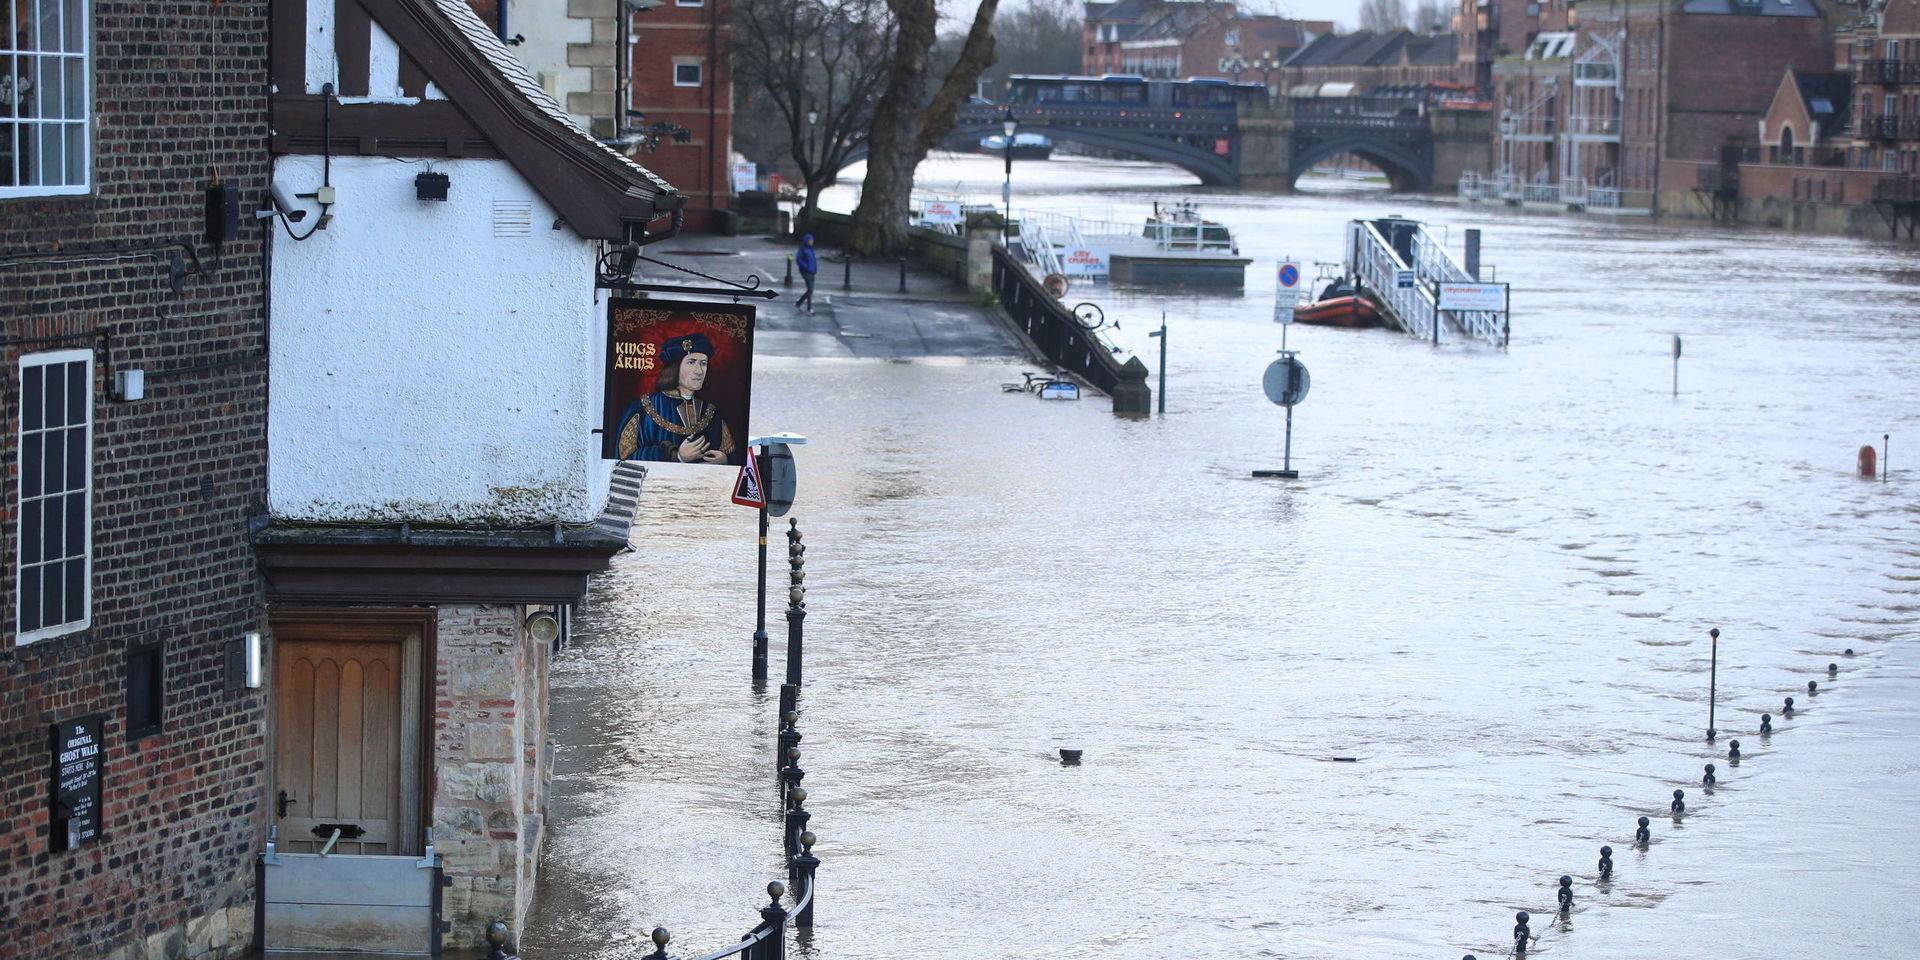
(425, 369)
(549, 30)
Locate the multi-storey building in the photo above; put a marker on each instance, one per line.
(1370, 60)
(1886, 94)
(1189, 38)
(679, 73)
(132, 459)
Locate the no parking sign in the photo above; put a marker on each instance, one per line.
(1286, 291)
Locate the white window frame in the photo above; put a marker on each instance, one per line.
(700, 79)
(24, 637)
(689, 3)
(13, 130)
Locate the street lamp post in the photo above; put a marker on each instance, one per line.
(1266, 63)
(1008, 124)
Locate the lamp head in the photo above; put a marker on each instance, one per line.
(1008, 123)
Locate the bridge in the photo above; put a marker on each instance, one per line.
(1260, 147)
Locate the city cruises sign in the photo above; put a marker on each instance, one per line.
(679, 381)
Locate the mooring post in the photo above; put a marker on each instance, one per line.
(804, 867)
(796, 599)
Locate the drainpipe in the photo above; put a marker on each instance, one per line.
(713, 98)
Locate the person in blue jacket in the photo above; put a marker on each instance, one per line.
(809, 263)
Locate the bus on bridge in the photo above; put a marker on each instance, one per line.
(1193, 93)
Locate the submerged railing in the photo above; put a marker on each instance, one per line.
(1054, 330)
(1378, 264)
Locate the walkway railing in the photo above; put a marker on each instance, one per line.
(1416, 309)
(1051, 326)
(1433, 265)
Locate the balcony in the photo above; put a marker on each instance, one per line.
(1903, 189)
(1889, 72)
(1889, 127)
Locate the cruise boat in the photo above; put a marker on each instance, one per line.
(1026, 146)
(1179, 247)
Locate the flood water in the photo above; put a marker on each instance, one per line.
(1492, 585)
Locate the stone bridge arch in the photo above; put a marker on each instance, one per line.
(1408, 170)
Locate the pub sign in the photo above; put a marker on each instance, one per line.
(679, 379)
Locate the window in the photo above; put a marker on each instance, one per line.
(55, 506)
(1890, 161)
(45, 106)
(686, 74)
(689, 3)
(146, 698)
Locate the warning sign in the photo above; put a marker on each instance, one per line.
(748, 491)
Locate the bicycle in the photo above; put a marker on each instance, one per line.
(1044, 385)
(1033, 383)
(1094, 320)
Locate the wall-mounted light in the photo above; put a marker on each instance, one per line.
(129, 385)
(254, 677)
(543, 626)
(431, 186)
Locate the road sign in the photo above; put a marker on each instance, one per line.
(781, 479)
(1286, 381)
(1403, 279)
(747, 489)
(1289, 275)
(1473, 296)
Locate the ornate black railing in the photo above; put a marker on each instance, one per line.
(1051, 326)
(1897, 189)
(1215, 121)
(1890, 71)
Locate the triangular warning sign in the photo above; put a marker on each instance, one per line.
(747, 490)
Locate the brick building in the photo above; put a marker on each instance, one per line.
(680, 73)
(1370, 60)
(130, 583)
(1188, 38)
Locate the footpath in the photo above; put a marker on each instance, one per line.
(873, 319)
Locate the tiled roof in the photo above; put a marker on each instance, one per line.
(1434, 51)
(1756, 8)
(1828, 97)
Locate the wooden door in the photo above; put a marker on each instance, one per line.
(344, 754)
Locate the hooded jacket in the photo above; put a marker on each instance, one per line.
(806, 259)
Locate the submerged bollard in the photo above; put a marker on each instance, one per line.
(1566, 893)
(1733, 753)
(796, 598)
(1520, 933)
(497, 941)
(1643, 836)
(1833, 669)
(775, 916)
(797, 817)
(802, 868)
(791, 774)
(1707, 781)
(1606, 863)
(1813, 687)
(1788, 710)
(1766, 724)
(788, 740)
(1849, 651)
(1679, 802)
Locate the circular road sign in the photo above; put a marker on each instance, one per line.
(1286, 381)
(778, 476)
(1289, 275)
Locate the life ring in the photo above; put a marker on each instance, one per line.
(1056, 284)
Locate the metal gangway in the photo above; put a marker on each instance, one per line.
(1379, 262)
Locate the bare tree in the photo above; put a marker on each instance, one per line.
(820, 64)
(906, 124)
(1432, 16)
(1042, 36)
(1383, 16)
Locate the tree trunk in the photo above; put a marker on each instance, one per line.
(906, 126)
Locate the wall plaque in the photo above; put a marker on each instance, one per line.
(79, 760)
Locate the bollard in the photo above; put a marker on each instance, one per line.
(1643, 836)
(803, 868)
(903, 274)
(1733, 753)
(1766, 724)
(774, 916)
(1566, 893)
(796, 598)
(497, 941)
(1713, 677)
(1520, 933)
(1708, 780)
(1788, 710)
(1606, 863)
(789, 280)
(846, 274)
(791, 774)
(788, 740)
(1848, 651)
(1679, 802)
(1813, 688)
(660, 940)
(1833, 670)
(797, 817)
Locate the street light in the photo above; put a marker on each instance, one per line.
(1008, 124)
(1235, 65)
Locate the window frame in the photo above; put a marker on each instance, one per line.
(23, 637)
(700, 78)
(11, 128)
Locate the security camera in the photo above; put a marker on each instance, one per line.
(283, 201)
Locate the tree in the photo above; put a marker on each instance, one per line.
(820, 64)
(906, 124)
(1041, 37)
(1431, 16)
(1383, 16)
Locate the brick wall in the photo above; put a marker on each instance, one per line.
(1722, 72)
(179, 93)
(490, 766)
(669, 34)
